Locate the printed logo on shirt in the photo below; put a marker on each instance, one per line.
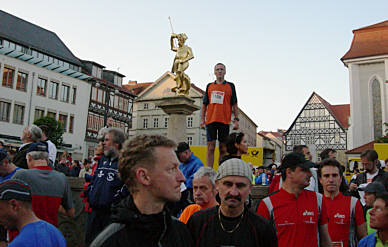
(340, 216)
(110, 176)
(286, 223)
(307, 213)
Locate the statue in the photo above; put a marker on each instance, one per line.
(181, 62)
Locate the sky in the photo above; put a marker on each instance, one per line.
(276, 52)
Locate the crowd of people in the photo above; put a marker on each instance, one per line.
(150, 191)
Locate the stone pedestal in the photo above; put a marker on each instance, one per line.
(177, 107)
(73, 229)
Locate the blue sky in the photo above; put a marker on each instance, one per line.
(276, 52)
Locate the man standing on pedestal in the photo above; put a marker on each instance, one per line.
(219, 101)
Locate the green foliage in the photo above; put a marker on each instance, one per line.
(384, 139)
(56, 129)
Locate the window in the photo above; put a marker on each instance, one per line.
(18, 114)
(4, 111)
(189, 122)
(21, 83)
(156, 122)
(71, 124)
(166, 122)
(8, 77)
(190, 140)
(64, 96)
(41, 87)
(145, 106)
(73, 95)
(53, 90)
(145, 123)
(94, 93)
(52, 114)
(63, 120)
(38, 114)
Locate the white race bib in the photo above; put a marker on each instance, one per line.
(217, 97)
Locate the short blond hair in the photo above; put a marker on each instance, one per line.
(140, 149)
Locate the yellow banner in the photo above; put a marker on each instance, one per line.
(254, 155)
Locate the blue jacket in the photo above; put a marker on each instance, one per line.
(368, 241)
(105, 184)
(189, 168)
(260, 178)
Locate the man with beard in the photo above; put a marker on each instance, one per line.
(149, 168)
(16, 214)
(231, 223)
(369, 159)
(299, 215)
(105, 185)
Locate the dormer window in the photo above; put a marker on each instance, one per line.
(96, 72)
(118, 81)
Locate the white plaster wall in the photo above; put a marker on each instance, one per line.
(31, 101)
(360, 78)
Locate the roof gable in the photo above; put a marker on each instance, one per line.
(33, 36)
(340, 113)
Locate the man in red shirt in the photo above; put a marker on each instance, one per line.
(299, 215)
(346, 219)
(219, 101)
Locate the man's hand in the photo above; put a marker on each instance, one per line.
(353, 186)
(236, 125)
(202, 124)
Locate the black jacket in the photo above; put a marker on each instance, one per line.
(253, 230)
(20, 157)
(381, 177)
(131, 228)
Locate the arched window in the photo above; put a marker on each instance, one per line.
(377, 112)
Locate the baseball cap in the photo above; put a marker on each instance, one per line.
(182, 146)
(374, 187)
(3, 155)
(294, 159)
(15, 189)
(234, 167)
(38, 147)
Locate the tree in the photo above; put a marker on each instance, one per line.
(55, 129)
(384, 139)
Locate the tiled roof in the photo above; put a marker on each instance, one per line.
(360, 149)
(340, 112)
(369, 41)
(138, 87)
(32, 36)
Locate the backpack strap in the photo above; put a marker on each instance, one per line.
(352, 242)
(319, 205)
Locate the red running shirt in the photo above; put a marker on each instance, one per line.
(296, 218)
(339, 212)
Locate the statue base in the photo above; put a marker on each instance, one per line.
(177, 108)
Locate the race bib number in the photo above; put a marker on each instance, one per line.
(217, 97)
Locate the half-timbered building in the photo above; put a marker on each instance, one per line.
(319, 125)
(108, 98)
